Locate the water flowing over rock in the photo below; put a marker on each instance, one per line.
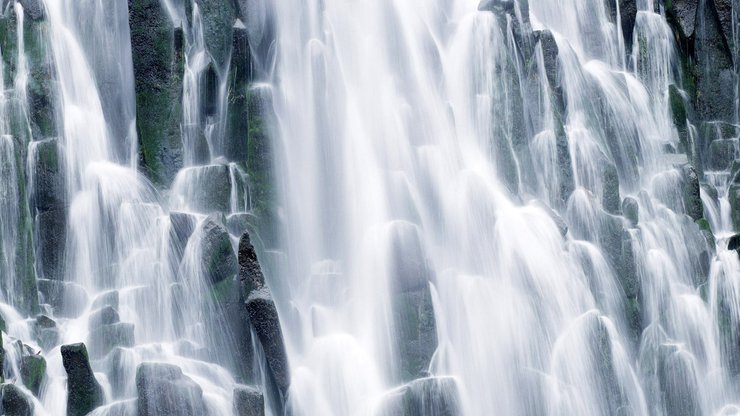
(164, 390)
(83, 390)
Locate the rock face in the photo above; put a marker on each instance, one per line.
(413, 313)
(15, 402)
(33, 370)
(84, 393)
(432, 396)
(248, 401)
(158, 68)
(164, 390)
(263, 314)
(219, 261)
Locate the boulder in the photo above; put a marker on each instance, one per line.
(219, 261)
(106, 315)
(631, 210)
(250, 271)
(204, 189)
(684, 14)
(248, 401)
(68, 300)
(106, 337)
(52, 236)
(109, 298)
(431, 396)
(158, 60)
(33, 370)
(15, 402)
(46, 331)
(218, 19)
(264, 318)
(692, 193)
(84, 393)
(164, 390)
(48, 188)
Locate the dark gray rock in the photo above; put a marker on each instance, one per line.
(48, 192)
(431, 396)
(610, 199)
(250, 271)
(33, 370)
(158, 61)
(33, 9)
(264, 318)
(678, 383)
(628, 16)
(52, 236)
(68, 300)
(240, 75)
(106, 315)
(218, 19)
(84, 393)
(416, 332)
(15, 402)
(248, 401)
(106, 337)
(109, 298)
(46, 331)
(684, 13)
(721, 154)
(164, 390)
(409, 269)
(219, 261)
(207, 189)
(631, 210)
(692, 193)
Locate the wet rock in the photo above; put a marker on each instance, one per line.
(164, 390)
(15, 402)
(724, 16)
(734, 198)
(408, 266)
(47, 333)
(691, 193)
(157, 50)
(680, 119)
(123, 408)
(183, 225)
(714, 69)
(610, 199)
(684, 14)
(33, 9)
(248, 401)
(219, 261)
(121, 366)
(431, 396)
(250, 271)
(678, 383)
(106, 315)
(631, 210)
(68, 300)
(84, 393)
(264, 318)
(52, 234)
(239, 223)
(628, 15)
(240, 75)
(218, 18)
(205, 189)
(48, 178)
(33, 370)
(416, 331)
(556, 218)
(721, 154)
(106, 337)
(734, 242)
(550, 53)
(106, 299)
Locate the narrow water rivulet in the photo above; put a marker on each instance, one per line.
(370, 207)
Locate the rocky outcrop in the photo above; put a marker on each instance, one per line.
(84, 393)
(33, 371)
(248, 401)
(163, 389)
(158, 59)
(263, 314)
(431, 396)
(219, 261)
(15, 402)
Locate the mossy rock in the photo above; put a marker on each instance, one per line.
(33, 371)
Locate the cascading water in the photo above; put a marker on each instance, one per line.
(377, 207)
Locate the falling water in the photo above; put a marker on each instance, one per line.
(461, 208)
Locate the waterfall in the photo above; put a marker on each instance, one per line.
(369, 207)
